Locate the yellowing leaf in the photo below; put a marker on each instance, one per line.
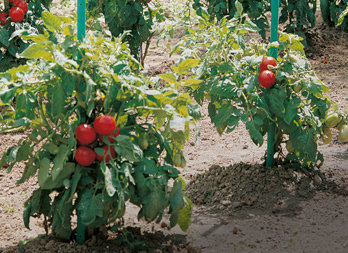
(37, 51)
(51, 21)
(189, 63)
(168, 77)
(116, 78)
(185, 213)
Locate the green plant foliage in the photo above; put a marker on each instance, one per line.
(221, 8)
(227, 77)
(127, 15)
(55, 92)
(334, 13)
(298, 15)
(10, 41)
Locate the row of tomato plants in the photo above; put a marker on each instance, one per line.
(62, 103)
(297, 15)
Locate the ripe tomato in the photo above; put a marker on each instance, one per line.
(22, 4)
(268, 60)
(266, 79)
(85, 134)
(147, 1)
(13, 2)
(105, 125)
(112, 137)
(84, 156)
(16, 14)
(3, 18)
(108, 150)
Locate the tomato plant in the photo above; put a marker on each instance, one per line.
(226, 75)
(55, 93)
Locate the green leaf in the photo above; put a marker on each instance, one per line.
(185, 214)
(38, 203)
(6, 95)
(168, 77)
(4, 37)
(124, 147)
(52, 22)
(37, 51)
(184, 66)
(146, 166)
(59, 161)
(153, 204)
(108, 176)
(254, 132)
(61, 220)
(176, 198)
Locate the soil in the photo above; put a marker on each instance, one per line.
(239, 205)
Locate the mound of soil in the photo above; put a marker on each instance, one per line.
(246, 189)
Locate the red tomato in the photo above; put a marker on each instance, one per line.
(22, 4)
(108, 150)
(3, 18)
(85, 134)
(13, 2)
(105, 125)
(267, 78)
(84, 156)
(147, 1)
(16, 14)
(268, 60)
(112, 137)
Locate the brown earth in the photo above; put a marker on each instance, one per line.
(268, 211)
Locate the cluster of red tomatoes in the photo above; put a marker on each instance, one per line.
(267, 77)
(86, 135)
(16, 13)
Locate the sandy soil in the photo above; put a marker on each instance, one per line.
(319, 223)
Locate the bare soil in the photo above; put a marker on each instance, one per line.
(239, 205)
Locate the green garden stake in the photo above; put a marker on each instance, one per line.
(81, 33)
(81, 19)
(273, 53)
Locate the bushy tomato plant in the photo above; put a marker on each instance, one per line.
(55, 93)
(228, 70)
